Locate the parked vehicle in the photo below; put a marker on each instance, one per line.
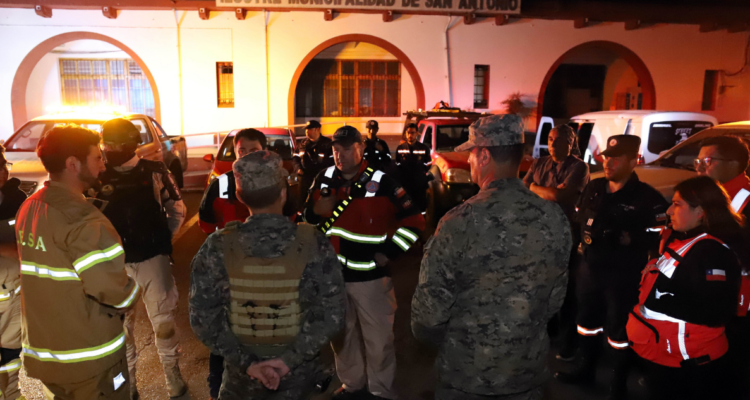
(20, 148)
(676, 164)
(659, 131)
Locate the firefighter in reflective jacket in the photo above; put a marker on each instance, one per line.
(74, 285)
(687, 296)
(141, 199)
(617, 215)
(414, 161)
(370, 220)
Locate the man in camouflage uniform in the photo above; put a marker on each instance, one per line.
(266, 289)
(492, 276)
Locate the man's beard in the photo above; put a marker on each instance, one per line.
(88, 179)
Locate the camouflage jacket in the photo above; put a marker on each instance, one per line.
(321, 292)
(492, 276)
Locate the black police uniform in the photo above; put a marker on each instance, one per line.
(313, 158)
(377, 154)
(413, 162)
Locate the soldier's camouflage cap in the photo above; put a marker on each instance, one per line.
(494, 130)
(259, 170)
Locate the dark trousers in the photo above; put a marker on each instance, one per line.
(709, 381)
(738, 334)
(567, 331)
(215, 372)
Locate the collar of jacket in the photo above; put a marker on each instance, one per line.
(736, 184)
(62, 186)
(504, 183)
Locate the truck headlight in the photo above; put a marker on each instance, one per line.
(457, 175)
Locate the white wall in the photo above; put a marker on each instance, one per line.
(519, 54)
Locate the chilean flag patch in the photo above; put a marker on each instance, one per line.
(716, 275)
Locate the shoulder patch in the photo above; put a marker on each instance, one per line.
(372, 186)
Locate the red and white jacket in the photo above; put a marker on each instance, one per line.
(686, 297)
(738, 190)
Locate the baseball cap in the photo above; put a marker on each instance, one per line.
(259, 170)
(120, 131)
(371, 124)
(312, 125)
(619, 145)
(494, 130)
(347, 135)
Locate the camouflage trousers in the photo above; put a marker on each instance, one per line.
(446, 393)
(299, 384)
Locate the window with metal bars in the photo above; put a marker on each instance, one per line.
(349, 88)
(225, 84)
(481, 86)
(122, 83)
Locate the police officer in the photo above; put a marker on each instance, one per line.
(141, 199)
(266, 289)
(11, 198)
(316, 155)
(486, 290)
(376, 153)
(617, 215)
(75, 287)
(413, 160)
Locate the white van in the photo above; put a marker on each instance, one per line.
(659, 131)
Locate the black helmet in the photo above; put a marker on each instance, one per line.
(120, 131)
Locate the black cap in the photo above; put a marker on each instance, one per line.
(620, 145)
(372, 124)
(347, 135)
(120, 131)
(312, 125)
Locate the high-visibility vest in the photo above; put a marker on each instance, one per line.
(666, 340)
(739, 202)
(265, 310)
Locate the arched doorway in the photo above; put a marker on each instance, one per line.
(608, 76)
(388, 47)
(24, 72)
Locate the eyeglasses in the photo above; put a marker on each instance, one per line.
(706, 161)
(6, 165)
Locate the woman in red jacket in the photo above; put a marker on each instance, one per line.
(688, 295)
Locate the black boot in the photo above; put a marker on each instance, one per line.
(585, 372)
(618, 388)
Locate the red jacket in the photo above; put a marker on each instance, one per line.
(738, 190)
(686, 297)
(380, 218)
(220, 204)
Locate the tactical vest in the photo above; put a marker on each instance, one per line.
(132, 208)
(265, 311)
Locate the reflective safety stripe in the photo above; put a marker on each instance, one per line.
(128, 301)
(321, 155)
(14, 365)
(667, 265)
(404, 152)
(72, 356)
(323, 186)
(4, 297)
(43, 271)
(617, 345)
(590, 332)
(401, 243)
(375, 178)
(650, 314)
(12, 222)
(329, 171)
(356, 237)
(407, 234)
(358, 265)
(739, 200)
(97, 256)
(420, 152)
(223, 186)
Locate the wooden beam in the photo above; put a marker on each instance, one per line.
(43, 11)
(580, 23)
(328, 15)
(632, 24)
(709, 27)
(470, 19)
(240, 14)
(203, 13)
(501, 20)
(737, 28)
(388, 16)
(109, 12)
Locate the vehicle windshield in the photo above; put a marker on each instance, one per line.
(665, 135)
(28, 136)
(450, 136)
(684, 156)
(281, 145)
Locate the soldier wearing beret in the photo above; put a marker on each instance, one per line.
(619, 217)
(492, 275)
(266, 294)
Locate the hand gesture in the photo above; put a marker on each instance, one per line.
(265, 374)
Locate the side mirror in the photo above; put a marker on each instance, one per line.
(208, 158)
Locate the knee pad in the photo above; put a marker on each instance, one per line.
(164, 330)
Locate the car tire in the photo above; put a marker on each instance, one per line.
(176, 170)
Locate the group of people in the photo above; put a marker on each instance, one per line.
(667, 285)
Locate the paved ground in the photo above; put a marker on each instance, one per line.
(416, 377)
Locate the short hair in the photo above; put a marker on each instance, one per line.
(565, 130)
(506, 154)
(412, 125)
(262, 197)
(731, 147)
(251, 134)
(62, 142)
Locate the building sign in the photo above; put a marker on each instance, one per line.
(413, 6)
